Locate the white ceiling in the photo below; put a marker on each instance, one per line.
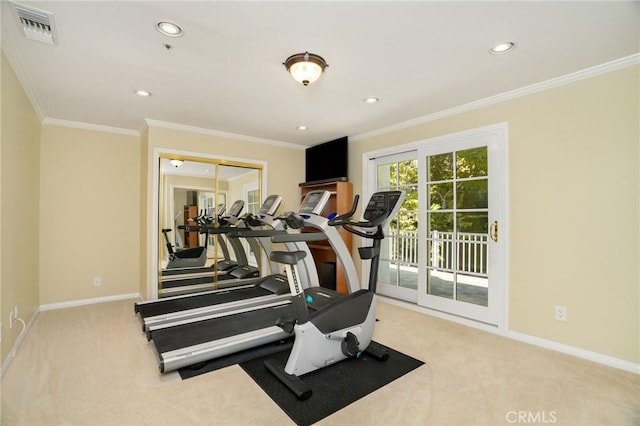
(226, 74)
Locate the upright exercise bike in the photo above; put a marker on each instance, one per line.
(330, 327)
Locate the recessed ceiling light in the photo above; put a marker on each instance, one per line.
(503, 47)
(370, 100)
(301, 127)
(142, 93)
(169, 29)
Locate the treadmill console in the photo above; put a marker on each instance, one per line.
(314, 202)
(270, 205)
(236, 208)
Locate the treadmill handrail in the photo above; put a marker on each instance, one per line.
(306, 236)
(257, 233)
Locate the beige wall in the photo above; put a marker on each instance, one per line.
(574, 208)
(20, 161)
(89, 214)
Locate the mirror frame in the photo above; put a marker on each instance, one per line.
(154, 243)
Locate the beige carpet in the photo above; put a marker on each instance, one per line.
(91, 365)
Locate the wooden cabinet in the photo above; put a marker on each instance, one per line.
(190, 238)
(323, 255)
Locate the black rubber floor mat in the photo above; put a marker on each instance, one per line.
(333, 387)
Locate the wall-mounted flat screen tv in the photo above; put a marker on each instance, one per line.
(327, 161)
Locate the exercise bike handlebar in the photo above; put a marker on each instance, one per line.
(347, 224)
(350, 213)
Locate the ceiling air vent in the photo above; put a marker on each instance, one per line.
(37, 24)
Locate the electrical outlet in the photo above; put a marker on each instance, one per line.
(97, 281)
(561, 313)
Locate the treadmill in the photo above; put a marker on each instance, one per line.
(179, 310)
(243, 328)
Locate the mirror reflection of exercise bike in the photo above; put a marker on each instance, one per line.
(330, 327)
(193, 257)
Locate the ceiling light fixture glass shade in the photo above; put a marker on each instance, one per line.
(305, 67)
(176, 163)
(169, 29)
(503, 47)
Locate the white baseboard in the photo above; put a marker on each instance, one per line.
(19, 340)
(577, 352)
(73, 303)
(536, 341)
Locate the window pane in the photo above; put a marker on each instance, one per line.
(440, 251)
(476, 222)
(440, 167)
(440, 196)
(472, 253)
(387, 272)
(408, 172)
(386, 176)
(472, 194)
(411, 199)
(440, 283)
(472, 289)
(471, 163)
(441, 222)
(407, 238)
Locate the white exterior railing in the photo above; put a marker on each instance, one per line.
(471, 249)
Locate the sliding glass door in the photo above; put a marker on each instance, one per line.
(445, 250)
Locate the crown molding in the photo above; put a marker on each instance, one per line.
(21, 75)
(506, 96)
(89, 126)
(181, 127)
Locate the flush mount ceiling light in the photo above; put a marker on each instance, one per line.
(370, 100)
(169, 29)
(142, 93)
(176, 163)
(302, 127)
(305, 67)
(503, 47)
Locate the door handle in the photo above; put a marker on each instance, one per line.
(494, 231)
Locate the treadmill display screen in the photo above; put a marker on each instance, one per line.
(270, 205)
(236, 208)
(314, 202)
